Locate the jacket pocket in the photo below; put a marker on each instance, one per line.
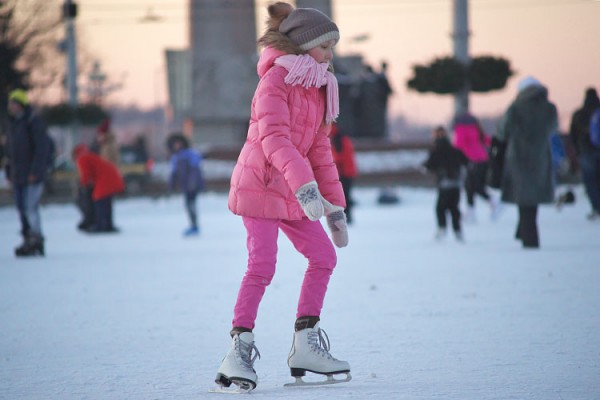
(268, 175)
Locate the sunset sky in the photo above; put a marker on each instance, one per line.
(557, 41)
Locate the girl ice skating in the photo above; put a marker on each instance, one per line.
(285, 179)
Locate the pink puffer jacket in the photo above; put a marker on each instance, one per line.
(287, 146)
(468, 139)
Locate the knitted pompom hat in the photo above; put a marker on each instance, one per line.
(308, 28)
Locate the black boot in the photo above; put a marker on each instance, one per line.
(33, 246)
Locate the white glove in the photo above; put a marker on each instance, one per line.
(310, 200)
(336, 221)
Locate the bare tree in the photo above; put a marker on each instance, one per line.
(29, 37)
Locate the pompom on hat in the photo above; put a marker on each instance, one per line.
(19, 96)
(308, 28)
(526, 82)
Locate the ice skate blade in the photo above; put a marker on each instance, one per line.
(241, 385)
(329, 381)
(225, 390)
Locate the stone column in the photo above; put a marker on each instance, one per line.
(321, 5)
(224, 55)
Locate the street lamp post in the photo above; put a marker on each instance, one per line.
(460, 40)
(69, 14)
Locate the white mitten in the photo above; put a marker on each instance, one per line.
(310, 200)
(336, 221)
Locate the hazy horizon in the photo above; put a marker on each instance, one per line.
(543, 38)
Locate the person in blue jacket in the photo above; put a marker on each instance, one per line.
(186, 177)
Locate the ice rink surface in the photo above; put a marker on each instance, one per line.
(145, 314)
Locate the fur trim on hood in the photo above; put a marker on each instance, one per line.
(280, 42)
(532, 93)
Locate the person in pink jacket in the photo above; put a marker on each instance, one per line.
(470, 138)
(285, 179)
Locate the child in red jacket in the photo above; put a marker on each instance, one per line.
(105, 180)
(343, 156)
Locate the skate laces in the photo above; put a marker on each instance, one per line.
(319, 342)
(248, 352)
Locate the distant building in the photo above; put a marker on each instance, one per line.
(322, 5)
(212, 83)
(364, 95)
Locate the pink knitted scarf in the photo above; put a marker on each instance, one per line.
(306, 71)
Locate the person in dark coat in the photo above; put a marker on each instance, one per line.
(186, 176)
(29, 153)
(105, 181)
(587, 154)
(448, 164)
(527, 178)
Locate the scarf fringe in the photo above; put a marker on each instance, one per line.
(305, 71)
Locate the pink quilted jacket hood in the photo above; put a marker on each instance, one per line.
(287, 146)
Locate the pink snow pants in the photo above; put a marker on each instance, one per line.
(310, 239)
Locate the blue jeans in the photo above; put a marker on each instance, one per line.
(27, 198)
(590, 174)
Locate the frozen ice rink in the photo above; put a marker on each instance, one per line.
(145, 314)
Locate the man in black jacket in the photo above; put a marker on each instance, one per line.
(28, 154)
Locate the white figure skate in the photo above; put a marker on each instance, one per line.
(310, 352)
(238, 365)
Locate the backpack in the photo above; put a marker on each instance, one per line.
(595, 128)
